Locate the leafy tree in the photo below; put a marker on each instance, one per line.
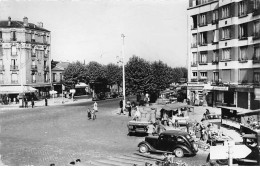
(114, 74)
(138, 75)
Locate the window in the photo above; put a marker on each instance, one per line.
(1, 50)
(13, 36)
(33, 36)
(45, 77)
(256, 4)
(226, 54)
(225, 11)
(194, 40)
(256, 77)
(242, 54)
(194, 58)
(203, 20)
(13, 64)
(215, 36)
(226, 75)
(1, 78)
(1, 35)
(242, 8)
(13, 50)
(33, 78)
(225, 33)
(14, 78)
(215, 56)
(243, 31)
(194, 74)
(257, 29)
(256, 52)
(215, 76)
(243, 75)
(214, 16)
(203, 38)
(203, 58)
(194, 22)
(203, 75)
(54, 78)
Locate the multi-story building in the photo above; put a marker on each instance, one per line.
(224, 52)
(24, 58)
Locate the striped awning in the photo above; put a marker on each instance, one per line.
(16, 89)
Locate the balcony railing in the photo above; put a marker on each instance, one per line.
(14, 81)
(256, 11)
(203, 63)
(13, 67)
(214, 62)
(194, 79)
(242, 14)
(194, 64)
(243, 60)
(2, 67)
(34, 67)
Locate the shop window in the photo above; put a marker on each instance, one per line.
(225, 11)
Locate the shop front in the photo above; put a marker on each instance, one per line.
(195, 94)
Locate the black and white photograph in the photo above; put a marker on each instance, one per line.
(129, 83)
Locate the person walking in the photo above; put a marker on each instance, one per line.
(89, 113)
(32, 102)
(128, 107)
(26, 102)
(121, 106)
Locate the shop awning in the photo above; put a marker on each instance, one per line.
(172, 106)
(16, 89)
(240, 111)
(81, 85)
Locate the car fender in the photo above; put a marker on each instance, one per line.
(147, 144)
(185, 149)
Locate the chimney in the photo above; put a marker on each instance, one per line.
(25, 21)
(40, 24)
(9, 21)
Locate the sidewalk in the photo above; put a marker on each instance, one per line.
(41, 103)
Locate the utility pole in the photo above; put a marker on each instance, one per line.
(123, 57)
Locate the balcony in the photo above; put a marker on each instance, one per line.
(203, 79)
(256, 59)
(214, 21)
(2, 67)
(215, 83)
(194, 64)
(203, 63)
(14, 81)
(33, 67)
(242, 60)
(243, 81)
(215, 62)
(33, 81)
(242, 14)
(13, 67)
(194, 79)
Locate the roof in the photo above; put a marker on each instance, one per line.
(175, 132)
(19, 24)
(240, 111)
(61, 66)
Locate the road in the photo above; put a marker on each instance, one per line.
(60, 134)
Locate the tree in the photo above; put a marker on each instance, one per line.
(138, 75)
(113, 74)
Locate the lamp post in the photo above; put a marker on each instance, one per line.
(123, 57)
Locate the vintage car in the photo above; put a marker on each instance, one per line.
(177, 142)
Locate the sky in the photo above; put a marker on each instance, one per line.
(90, 30)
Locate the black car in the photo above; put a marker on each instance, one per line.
(177, 142)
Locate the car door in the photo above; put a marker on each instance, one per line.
(162, 142)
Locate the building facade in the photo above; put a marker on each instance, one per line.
(224, 52)
(24, 58)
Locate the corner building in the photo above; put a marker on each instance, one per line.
(224, 52)
(24, 58)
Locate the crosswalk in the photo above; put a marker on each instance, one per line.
(123, 160)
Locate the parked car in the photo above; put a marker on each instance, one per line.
(177, 142)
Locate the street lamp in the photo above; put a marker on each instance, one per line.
(123, 57)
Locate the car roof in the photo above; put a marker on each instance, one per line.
(175, 132)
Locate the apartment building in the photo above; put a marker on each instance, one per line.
(224, 52)
(24, 58)
(58, 75)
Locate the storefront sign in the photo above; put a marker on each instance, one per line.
(220, 88)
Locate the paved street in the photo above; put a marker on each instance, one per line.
(60, 134)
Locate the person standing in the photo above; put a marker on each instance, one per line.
(32, 102)
(89, 113)
(121, 106)
(26, 102)
(128, 107)
(95, 108)
(46, 101)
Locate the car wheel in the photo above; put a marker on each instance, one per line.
(143, 148)
(222, 162)
(178, 152)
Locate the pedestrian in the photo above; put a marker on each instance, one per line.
(89, 113)
(128, 107)
(32, 102)
(121, 106)
(137, 115)
(93, 114)
(26, 102)
(197, 131)
(95, 107)
(46, 101)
